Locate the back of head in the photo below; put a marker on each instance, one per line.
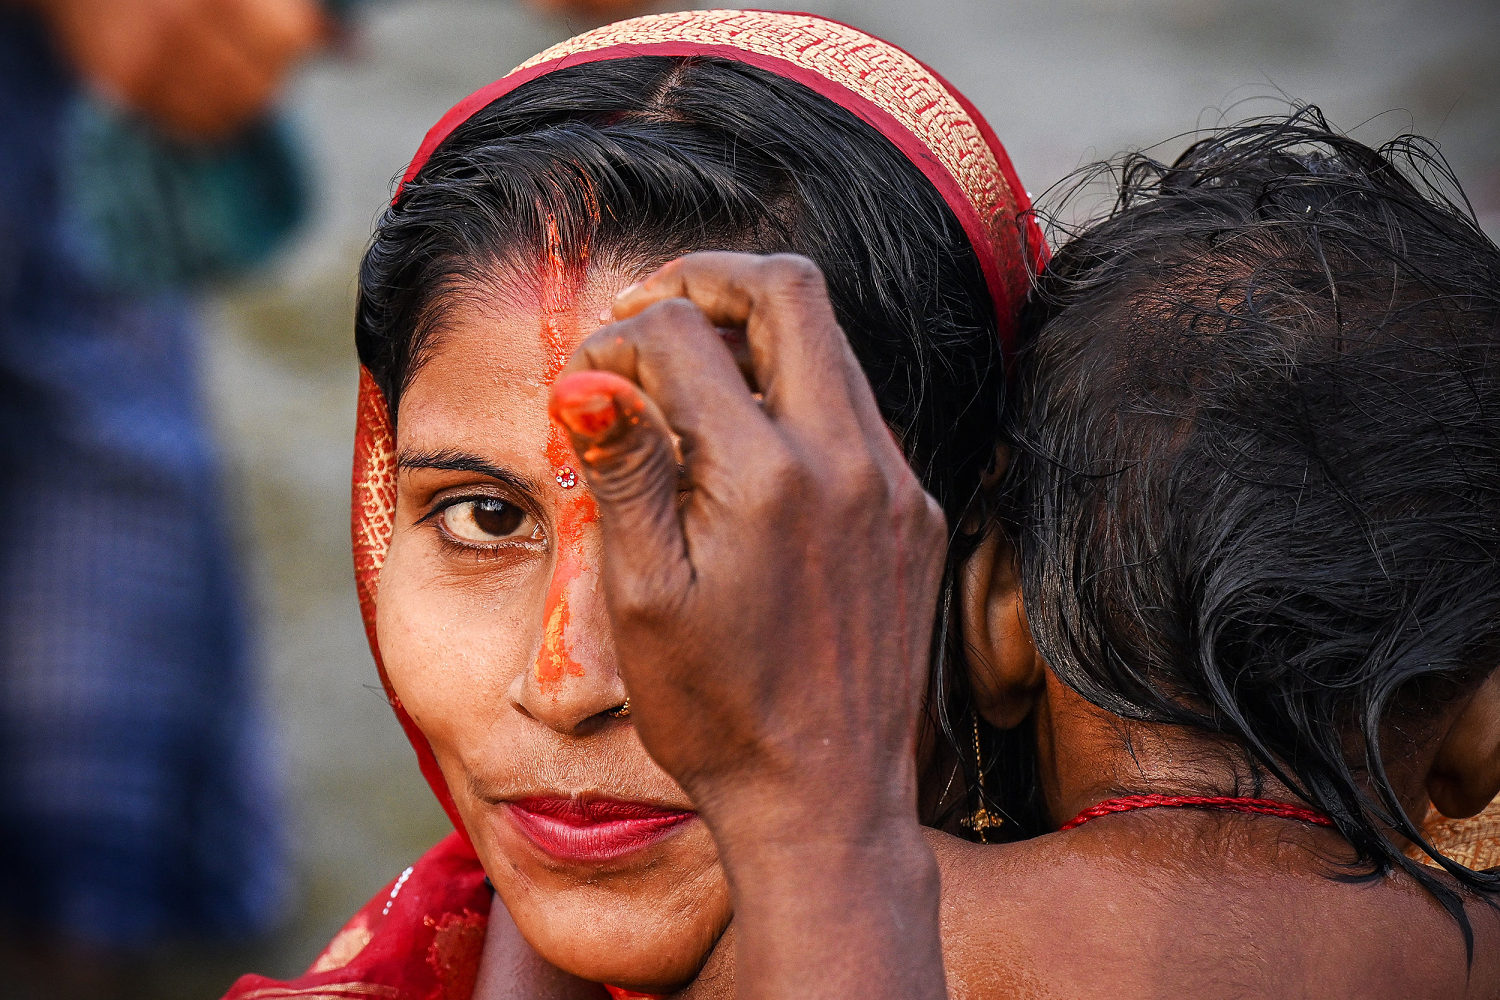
(1257, 479)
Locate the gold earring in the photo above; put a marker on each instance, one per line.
(620, 711)
(980, 819)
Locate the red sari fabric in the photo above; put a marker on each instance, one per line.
(420, 938)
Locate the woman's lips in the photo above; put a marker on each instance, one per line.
(593, 831)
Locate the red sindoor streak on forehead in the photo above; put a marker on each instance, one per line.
(559, 280)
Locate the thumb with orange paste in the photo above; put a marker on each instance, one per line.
(625, 448)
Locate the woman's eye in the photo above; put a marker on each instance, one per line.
(487, 520)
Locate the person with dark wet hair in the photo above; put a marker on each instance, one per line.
(1257, 473)
(1240, 583)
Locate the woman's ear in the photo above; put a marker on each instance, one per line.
(1465, 774)
(1005, 670)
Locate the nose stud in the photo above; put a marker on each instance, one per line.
(566, 478)
(620, 711)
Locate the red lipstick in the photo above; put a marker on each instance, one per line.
(593, 831)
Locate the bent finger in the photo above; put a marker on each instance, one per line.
(625, 449)
(800, 358)
(678, 359)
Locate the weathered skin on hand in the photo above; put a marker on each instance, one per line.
(767, 621)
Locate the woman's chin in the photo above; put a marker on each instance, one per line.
(646, 919)
(653, 948)
(631, 970)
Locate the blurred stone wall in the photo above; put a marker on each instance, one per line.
(1063, 83)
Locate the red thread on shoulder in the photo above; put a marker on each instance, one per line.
(1226, 803)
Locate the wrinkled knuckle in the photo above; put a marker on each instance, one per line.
(776, 463)
(647, 335)
(607, 347)
(590, 348)
(632, 471)
(793, 274)
(674, 313)
(666, 327)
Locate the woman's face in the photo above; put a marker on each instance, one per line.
(494, 634)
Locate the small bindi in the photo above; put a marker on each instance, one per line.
(566, 478)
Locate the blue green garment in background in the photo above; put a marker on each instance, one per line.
(150, 213)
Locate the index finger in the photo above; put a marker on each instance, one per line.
(799, 356)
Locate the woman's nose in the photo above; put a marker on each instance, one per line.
(572, 681)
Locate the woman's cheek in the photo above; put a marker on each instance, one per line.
(449, 649)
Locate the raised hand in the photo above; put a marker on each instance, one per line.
(772, 597)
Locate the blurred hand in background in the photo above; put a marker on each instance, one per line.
(199, 69)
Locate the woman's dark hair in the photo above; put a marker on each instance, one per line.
(1257, 473)
(634, 162)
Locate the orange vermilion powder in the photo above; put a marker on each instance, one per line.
(560, 280)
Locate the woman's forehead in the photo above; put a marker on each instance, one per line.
(497, 345)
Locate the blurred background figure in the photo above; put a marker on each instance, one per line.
(139, 801)
(146, 856)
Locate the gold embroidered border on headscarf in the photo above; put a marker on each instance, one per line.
(879, 72)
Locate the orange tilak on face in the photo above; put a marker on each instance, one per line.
(560, 281)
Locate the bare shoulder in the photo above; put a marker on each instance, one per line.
(1085, 916)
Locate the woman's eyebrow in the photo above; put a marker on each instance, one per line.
(457, 461)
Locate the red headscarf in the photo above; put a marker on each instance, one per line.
(420, 938)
